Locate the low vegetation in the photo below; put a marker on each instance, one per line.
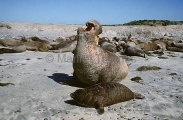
(154, 22)
(150, 23)
(136, 79)
(5, 84)
(147, 68)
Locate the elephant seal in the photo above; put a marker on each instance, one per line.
(16, 49)
(70, 47)
(18, 45)
(67, 45)
(35, 38)
(163, 43)
(92, 64)
(133, 51)
(104, 94)
(178, 45)
(7, 50)
(9, 42)
(59, 40)
(36, 46)
(149, 46)
(175, 49)
(108, 46)
(19, 48)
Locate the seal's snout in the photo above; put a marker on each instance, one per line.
(72, 95)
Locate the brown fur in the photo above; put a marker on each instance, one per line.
(134, 51)
(7, 50)
(70, 47)
(104, 94)
(39, 40)
(67, 45)
(30, 44)
(148, 46)
(179, 45)
(108, 46)
(164, 43)
(59, 40)
(9, 42)
(93, 64)
(175, 49)
(19, 48)
(36, 46)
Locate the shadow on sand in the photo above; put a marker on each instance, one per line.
(65, 79)
(74, 103)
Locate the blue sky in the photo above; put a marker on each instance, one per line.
(80, 11)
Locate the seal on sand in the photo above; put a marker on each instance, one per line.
(134, 51)
(70, 47)
(36, 46)
(104, 94)
(9, 42)
(19, 48)
(108, 46)
(67, 45)
(175, 49)
(92, 64)
(178, 45)
(149, 46)
(16, 49)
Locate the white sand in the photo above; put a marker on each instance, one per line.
(37, 94)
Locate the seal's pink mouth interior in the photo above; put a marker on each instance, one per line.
(90, 27)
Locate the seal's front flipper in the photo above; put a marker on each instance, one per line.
(100, 108)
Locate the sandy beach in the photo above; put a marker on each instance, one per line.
(34, 91)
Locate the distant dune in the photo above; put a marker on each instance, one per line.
(52, 31)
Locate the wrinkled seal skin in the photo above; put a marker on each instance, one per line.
(104, 94)
(92, 64)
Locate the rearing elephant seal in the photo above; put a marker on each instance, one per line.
(92, 64)
(104, 94)
(96, 31)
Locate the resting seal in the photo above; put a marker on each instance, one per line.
(149, 46)
(16, 49)
(133, 51)
(92, 64)
(178, 45)
(108, 46)
(175, 49)
(63, 45)
(104, 94)
(19, 48)
(9, 42)
(36, 46)
(70, 47)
